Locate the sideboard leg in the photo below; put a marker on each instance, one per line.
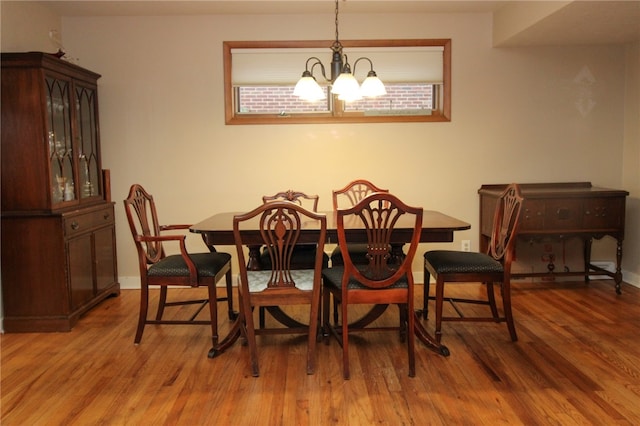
(618, 274)
(587, 257)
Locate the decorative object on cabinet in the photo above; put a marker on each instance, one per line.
(563, 211)
(58, 229)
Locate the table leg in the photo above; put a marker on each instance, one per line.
(253, 264)
(229, 340)
(427, 339)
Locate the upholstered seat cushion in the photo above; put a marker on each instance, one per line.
(449, 261)
(258, 280)
(207, 264)
(333, 276)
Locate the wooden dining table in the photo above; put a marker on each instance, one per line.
(217, 230)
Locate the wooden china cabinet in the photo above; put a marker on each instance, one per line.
(58, 229)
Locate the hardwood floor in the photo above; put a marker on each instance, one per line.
(577, 362)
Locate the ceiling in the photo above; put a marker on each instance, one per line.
(579, 22)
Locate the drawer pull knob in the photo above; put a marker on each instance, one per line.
(106, 216)
(75, 225)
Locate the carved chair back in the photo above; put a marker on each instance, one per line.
(506, 221)
(379, 214)
(353, 193)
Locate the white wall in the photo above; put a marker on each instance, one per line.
(513, 119)
(26, 26)
(631, 164)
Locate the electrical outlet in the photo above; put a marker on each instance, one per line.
(466, 245)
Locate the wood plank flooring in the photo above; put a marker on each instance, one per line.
(577, 362)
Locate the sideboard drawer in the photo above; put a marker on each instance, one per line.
(604, 213)
(561, 214)
(78, 224)
(572, 214)
(532, 215)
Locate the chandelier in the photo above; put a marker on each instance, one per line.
(343, 82)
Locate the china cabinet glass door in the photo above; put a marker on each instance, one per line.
(60, 140)
(86, 112)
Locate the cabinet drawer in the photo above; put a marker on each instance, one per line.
(604, 213)
(563, 214)
(85, 222)
(532, 215)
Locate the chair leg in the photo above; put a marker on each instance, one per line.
(229, 279)
(247, 314)
(439, 302)
(425, 301)
(261, 316)
(213, 312)
(345, 342)
(161, 302)
(508, 314)
(491, 297)
(313, 333)
(402, 308)
(411, 339)
(326, 324)
(144, 306)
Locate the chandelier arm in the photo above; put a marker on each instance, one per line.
(347, 67)
(358, 60)
(318, 62)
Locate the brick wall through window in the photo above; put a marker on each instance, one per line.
(280, 99)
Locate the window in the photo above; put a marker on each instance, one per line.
(259, 78)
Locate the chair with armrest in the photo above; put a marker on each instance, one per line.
(280, 223)
(379, 281)
(183, 270)
(349, 196)
(448, 266)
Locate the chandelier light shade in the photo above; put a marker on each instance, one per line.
(308, 89)
(343, 82)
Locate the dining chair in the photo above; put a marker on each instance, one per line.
(447, 266)
(303, 256)
(379, 281)
(279, 224)
(349, 196)
(181, 270)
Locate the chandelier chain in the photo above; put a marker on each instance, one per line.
(337, 38)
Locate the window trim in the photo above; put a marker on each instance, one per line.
(438, 115)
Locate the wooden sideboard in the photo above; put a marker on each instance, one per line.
(562, 211)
